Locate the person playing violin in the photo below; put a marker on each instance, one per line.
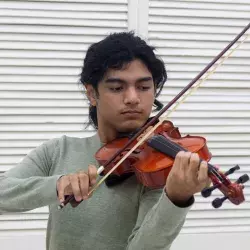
(122, 77)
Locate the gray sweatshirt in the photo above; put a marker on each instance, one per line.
(126, 216)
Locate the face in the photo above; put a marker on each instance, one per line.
(125, 97)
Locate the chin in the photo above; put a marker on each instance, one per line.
(130, 125)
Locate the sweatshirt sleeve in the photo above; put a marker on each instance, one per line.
(28, 185)
(158, 223)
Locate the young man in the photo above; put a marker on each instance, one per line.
(122, 77)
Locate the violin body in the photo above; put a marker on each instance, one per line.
(151, 166)
(104, 153)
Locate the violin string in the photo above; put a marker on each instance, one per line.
(151, 131)
(177, 148)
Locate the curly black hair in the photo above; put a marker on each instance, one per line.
(115, 51)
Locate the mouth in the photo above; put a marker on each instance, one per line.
(133, 115)
(131, 112)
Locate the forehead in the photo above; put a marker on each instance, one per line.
(132, 70)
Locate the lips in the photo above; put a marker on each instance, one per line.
(131, 112)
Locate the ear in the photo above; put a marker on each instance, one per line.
(91, 94)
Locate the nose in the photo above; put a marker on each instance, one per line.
(131, 96)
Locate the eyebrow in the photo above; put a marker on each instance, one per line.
(119, 80)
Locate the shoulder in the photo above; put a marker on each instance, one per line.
(68, 144)
(90, 140)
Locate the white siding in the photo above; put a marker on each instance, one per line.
(42, 46)
(188, 35)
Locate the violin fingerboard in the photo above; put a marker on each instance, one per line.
(165, 146)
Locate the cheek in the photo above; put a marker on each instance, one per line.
(108, 106)
(148, 101)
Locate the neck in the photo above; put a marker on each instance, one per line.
(106, 133)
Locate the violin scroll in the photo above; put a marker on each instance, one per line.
(232, 191)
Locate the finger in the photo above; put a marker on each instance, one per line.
(193, 169)
(74, 181)
(207, 183)
(92, 172)
(61, 184)
(178, 160)
(203, 174)
(185, 160)
(84, 184)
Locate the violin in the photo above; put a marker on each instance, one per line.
(150, 155)
(152, 161)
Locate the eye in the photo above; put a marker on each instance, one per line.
(144, 88)
(116, 89)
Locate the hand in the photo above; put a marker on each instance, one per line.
(78, 184)
(187, 177)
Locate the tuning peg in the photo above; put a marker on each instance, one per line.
(232, 170)
(218, 202)
(206, 192)
(244, 178)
